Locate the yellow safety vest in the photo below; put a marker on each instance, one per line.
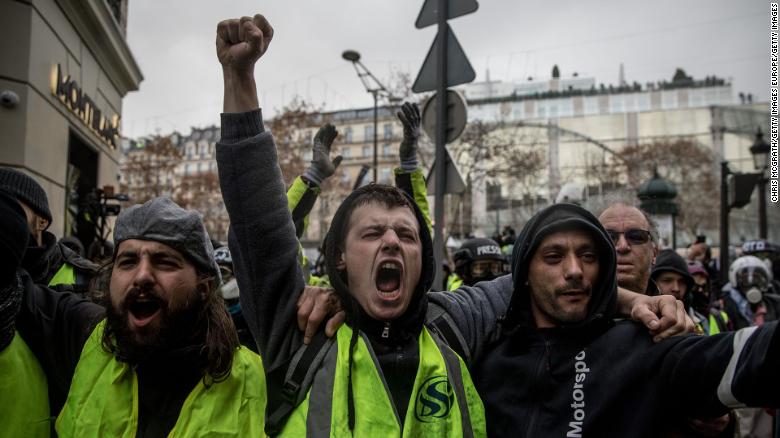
(444, 402)
(103, 399)
(454, 282)
(24, 394)
(65, 275)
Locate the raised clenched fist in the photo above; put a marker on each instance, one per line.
(241, 42)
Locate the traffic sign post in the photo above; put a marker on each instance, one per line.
(452, 67)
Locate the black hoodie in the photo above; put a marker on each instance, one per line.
(599, 378)
(394, 343)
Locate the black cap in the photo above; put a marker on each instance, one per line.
(13, 236)
(25, 189)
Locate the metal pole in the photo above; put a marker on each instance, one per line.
(441, 140)
(724, 223)
(762, 206)
(376, 160)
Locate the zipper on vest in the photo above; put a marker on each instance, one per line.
(386, 330)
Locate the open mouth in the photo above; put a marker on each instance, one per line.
(388, 279)
(143, 310)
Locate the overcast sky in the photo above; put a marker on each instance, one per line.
(173, 42)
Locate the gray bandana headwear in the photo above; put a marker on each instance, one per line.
(161, 220)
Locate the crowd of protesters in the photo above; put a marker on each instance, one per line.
(578, 325)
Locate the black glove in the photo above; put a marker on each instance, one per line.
(321, 167)
(410, 119)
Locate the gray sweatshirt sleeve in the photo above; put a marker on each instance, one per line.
(474, 310)
(262, 236)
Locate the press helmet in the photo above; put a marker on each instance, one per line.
(479, 259)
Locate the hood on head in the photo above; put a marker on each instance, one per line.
(669, 261)
(557, 217)
(337, 235)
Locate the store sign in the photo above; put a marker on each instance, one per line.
(67, 91)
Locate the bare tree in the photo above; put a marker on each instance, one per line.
(293, 129)
(687, 164)
(503, 155)
(201, 192)
(149, 170)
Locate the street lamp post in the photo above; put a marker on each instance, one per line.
(376, 90)
(760, 151)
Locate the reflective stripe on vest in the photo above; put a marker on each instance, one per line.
(24, 395)
(65, 275)
(103, 399)
(444, 402)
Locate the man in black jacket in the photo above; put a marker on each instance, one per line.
(48, 261)
(562, 367)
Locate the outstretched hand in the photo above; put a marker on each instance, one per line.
(241, 42)
(315, 305)
(409, 115)
(322, 167)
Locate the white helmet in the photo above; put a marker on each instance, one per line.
(751, 276)
(573, 193)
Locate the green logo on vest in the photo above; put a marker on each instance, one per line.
(434, 399)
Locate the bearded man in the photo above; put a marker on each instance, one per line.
(162, 353)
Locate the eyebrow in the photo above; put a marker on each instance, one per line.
(130, 253)
(560, 247)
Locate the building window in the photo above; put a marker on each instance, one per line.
(190, 152)
(386, 151)
(616, 103)
(565, 107)
(669, 99)
(643, 102)
(187, 169)
(591, 105)
(388, 131)
(368, 132)
(384, 175)
(307, 155)
(348, 134)
(346, 152)
(366, 151)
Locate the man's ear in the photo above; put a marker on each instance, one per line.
(203, 287)
(41, 224)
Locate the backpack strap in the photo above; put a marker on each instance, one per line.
(443, 326)
(289, 382)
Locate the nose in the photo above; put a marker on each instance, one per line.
(390, 241)
(622, 246)
(144, 274)
(572, 267)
